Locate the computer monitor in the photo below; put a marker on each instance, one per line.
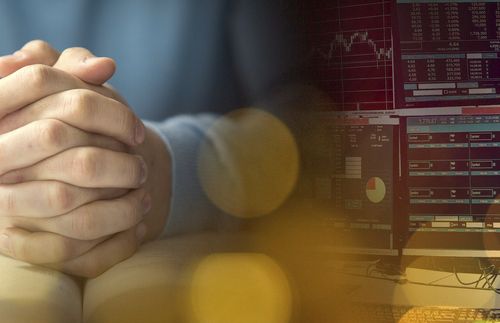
(447, 55)
(350, 52)
(353, 171)
(353, 177)
(434, 66)
(452, 170)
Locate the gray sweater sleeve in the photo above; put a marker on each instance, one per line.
(190, 209)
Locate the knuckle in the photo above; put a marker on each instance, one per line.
(9, 201)
(60, 198)
(127, 121)
(79, 103)
(85, 164)
(71, 51)
(51, 133)
(38, 75)
(39, 45)
(83, 226)
(24, 249)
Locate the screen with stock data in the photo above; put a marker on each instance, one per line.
(448, 53)
(454, 173)
(351, 52)
(353, 180)
(415, 61)
(351, 61)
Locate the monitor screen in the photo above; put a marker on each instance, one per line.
(447, 53)
(350, 52)
(353, 178)
(452, 166)
(428, 185)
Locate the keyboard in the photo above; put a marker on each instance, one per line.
(368, 313)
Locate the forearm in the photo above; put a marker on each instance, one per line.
(190, 210)
(227, 168)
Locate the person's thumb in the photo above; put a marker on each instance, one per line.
(81, 63)
(34, 52)
(77, 61)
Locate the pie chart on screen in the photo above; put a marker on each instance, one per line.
(375, 190)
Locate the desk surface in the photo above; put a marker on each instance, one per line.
(440, 289)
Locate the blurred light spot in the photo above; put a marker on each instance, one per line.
(249, 163)
(243, 288)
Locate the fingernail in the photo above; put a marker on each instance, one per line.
(146, 203)
(139, 132)
(144, 171)
(4, 243)
(89, 60)
(141, 231)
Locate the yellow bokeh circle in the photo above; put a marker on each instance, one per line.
(249, 163)
(240, 287)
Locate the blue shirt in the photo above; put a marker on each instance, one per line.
(173, 56)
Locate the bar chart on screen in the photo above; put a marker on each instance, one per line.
(351, 52)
